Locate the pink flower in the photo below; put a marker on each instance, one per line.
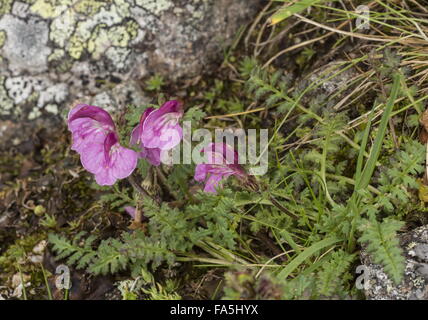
(88, 124)
(152, 155)
(95, 139)
(222, 162)
(158, 131)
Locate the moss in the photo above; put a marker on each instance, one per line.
(16, 253)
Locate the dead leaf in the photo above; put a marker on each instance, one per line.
(423, 191)
(423, 136)
(424, 120)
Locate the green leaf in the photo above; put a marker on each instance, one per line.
(287, 12)
(384, 246)
(318, 246)
(370, 166)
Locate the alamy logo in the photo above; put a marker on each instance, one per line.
(245, 142)
(362, 281)
(363, 20)
(62, 280)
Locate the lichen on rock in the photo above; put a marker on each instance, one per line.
(414, 285)
(55, 51)
(25, 46)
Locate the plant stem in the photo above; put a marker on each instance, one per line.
(46, 282)
(282, 208)
(164, 181)
(140, 190)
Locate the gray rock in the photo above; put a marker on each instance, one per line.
(53, 52)
(414, 285)
(421, 251)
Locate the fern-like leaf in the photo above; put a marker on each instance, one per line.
(383, 245)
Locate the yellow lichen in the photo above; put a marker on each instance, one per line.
(132, 28)
(62, 27)
(99, 41)
(122, 8)
(57, 54)
(5, 6)
(119, 36)
(88, 7)
(2, 38)
(46, 9)
(75, 47)
(6, 104)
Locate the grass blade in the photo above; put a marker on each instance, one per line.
(370, 166)
(306, 254)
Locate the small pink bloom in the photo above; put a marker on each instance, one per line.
(131, 211)
(222, 162)
(95, 139)
(152, 155)
(158, 130)
(161, 128)
(89, 124)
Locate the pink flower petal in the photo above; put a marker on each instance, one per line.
(83, 113)
(89, 126)
(170, 136)
(95, 138)
(222, 150)
(161, 129)
(110, 141)
(118, 162)
(137, 131)
(146, 114)
(164, 134)
(123, 162)
(131, 211)
(201, 172)
(212, 183)
(222, 162)
(135, 136)
(92, 158)
(86, 140)
(153, 156)
(105, 178)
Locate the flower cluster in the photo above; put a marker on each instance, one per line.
(96, 140)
